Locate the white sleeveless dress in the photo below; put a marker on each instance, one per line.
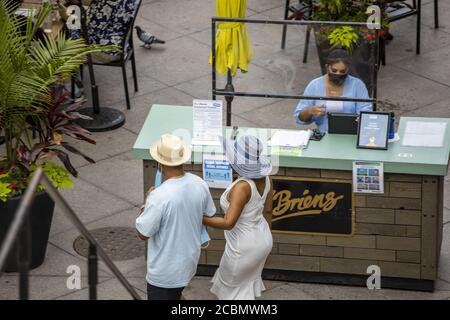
(247, 246)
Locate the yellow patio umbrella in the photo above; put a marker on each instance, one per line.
(233, 48)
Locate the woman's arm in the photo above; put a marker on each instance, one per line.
(306, 110)
(362, 93)
(239, 196)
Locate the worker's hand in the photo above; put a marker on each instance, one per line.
(318, 111)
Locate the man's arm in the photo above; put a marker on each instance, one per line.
(149, 220)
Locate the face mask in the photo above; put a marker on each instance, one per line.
(337, 79)
(204, 237)
(158, 177)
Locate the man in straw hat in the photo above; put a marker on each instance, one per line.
(171, 220)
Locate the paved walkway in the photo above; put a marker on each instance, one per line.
(109, 192)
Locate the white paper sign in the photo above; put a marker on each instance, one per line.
(368, 177)
(217, 171)
(424, 134)
(290, 138)
(207, 126)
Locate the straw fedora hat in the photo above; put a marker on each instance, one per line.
(170, 150)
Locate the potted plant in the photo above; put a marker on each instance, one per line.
(358, 41)
(35, 118)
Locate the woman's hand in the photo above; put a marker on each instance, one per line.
(307, 114)
(318, 111)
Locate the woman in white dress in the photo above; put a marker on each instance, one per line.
(247, 233)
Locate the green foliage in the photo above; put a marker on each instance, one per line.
(344, 37)
(29, 67)
(58, 176)
(14, 181)
(31, 70)
(5, 191)
(346, 11)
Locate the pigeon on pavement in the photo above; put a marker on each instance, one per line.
(147, 38)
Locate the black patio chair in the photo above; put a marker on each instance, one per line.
(398, 10)
(126, 54)
(301, 10)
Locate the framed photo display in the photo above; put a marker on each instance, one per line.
(373, 130)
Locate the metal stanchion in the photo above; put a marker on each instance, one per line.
(92, 272)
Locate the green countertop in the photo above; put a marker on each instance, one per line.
(332, 152)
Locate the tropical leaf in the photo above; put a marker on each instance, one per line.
(72, 149)
(30, 70)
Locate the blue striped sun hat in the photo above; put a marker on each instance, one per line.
(245, 156)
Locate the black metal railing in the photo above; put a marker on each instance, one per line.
(19, 231)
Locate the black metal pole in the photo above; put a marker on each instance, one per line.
(23, 257)
(213, 53)
(94, 87)
(284, 96)
(375, 71)
(436, 14)
(229, 99)
(92, 272)
(419, 21)
(306, 48)
(108, 118)
(283, 35)
(308, 32)
(292, 22)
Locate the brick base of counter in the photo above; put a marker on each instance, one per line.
(400, 231)
(332, 278)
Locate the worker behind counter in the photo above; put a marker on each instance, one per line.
(336, 83)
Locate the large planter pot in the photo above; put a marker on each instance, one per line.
(40, 215)
(362, 59)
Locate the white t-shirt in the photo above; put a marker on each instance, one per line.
(172, 220)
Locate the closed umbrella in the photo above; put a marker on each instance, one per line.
(233, 49)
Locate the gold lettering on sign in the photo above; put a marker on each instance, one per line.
(306, 204)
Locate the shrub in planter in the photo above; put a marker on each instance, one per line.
(358, 41)
(33, 100)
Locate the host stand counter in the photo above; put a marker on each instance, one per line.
(322, 231)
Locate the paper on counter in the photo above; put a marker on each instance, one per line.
(424, 134)
(290, 138)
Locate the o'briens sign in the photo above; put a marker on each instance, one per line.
(313, 206)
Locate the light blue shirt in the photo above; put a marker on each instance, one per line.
(172, 220)
(353, 88)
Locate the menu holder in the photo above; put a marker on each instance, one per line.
(373, 130)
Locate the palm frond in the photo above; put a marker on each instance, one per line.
(28, 68)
